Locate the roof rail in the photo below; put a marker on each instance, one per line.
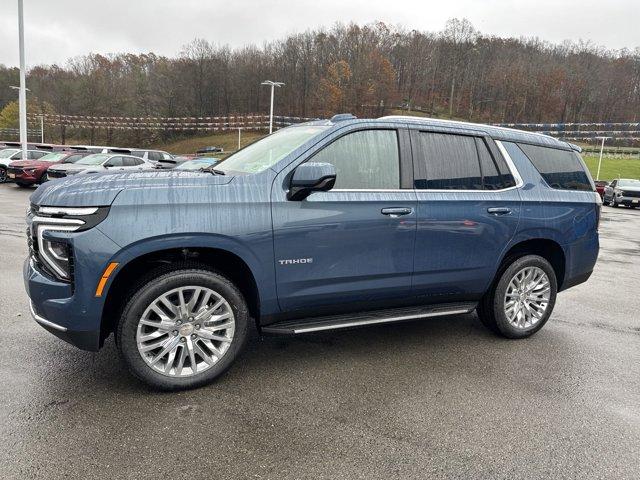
(341, 117)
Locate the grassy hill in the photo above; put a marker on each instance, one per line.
(228, 141)
(614, 167)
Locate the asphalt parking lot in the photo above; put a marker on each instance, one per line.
(438, 398)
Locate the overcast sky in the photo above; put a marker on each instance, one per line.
(56, 30)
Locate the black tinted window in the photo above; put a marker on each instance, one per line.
(495, 173)
(365, 159)
(155, 156)
(131, 162)
(561, 169)
(446, 162)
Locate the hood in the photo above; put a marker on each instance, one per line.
(31, 163)
(74, 166)
(101, 189)
(628, 189)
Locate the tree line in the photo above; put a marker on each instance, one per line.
(368, 70)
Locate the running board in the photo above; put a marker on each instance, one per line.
(334, 322)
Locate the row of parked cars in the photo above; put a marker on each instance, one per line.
(47, 161)
(621, 191)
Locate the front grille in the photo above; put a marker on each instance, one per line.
(15, 170)
(627, 193)
(55, 174)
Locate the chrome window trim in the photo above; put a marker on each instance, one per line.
(512, 167)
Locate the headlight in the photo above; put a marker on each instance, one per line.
(56, 255)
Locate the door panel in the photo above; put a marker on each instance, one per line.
(353, 244)
(338, 247)
(463, 226)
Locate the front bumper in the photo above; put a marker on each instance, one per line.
(628, 201)
(71, 311)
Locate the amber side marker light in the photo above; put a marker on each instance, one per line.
(105, 276)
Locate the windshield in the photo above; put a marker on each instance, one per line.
(8, 152)
(268, 151)
(197, 164)
(629, 183)
(53, 157)
(97, 159)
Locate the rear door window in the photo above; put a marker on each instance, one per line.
(115, 162)
(561, 169)
(366, 159)
(446, 162)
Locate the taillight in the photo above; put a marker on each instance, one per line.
(598, 211)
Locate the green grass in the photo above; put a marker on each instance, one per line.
(614, 167)
(228, 141)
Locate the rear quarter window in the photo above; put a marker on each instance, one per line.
(561, 169)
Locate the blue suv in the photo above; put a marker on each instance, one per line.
(324, 225)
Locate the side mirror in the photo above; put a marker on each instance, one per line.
(311, 177)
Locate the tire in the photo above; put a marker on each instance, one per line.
(44, 178)
(613, 202)
(3, 175)
(132, 329)
(23, 185)
(492, 308)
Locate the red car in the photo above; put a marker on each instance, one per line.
(30, 172)
(600, 184)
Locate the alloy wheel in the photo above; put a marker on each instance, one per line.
(527, 297)
(185, 331)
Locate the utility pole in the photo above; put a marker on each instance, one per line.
(22, 97)
(600, 160)
(41, 128)
(273, 84)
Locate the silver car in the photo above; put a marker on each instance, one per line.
(623, 191)
(98, 163)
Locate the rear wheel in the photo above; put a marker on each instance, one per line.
(521, 301)
(182, 328)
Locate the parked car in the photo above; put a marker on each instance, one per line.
(320, 226)
(198, 163)
(208, 150)
(167, 164)
(29, 172)
(623, 191)
(99, 162)
(92, 148)
(600, 184)
(8, 155)
(151, 155)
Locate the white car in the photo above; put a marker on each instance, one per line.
(100, 162)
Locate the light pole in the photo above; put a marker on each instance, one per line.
(22, 97)
(273, 84)
(600, 160)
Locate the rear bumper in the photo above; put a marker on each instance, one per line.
(580, 259)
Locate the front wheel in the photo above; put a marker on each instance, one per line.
(521, 301)
(182, 328)
(3, 174)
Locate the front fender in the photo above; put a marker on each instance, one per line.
(261, 267)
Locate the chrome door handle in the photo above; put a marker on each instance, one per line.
(396, 211)
(499, 211)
